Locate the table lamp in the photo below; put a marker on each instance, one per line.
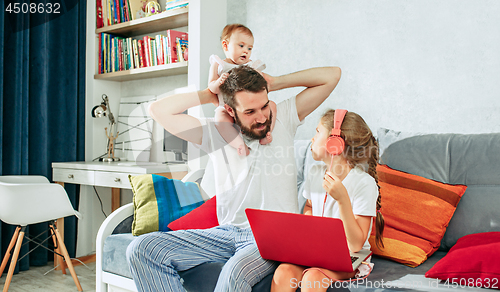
(104, 110)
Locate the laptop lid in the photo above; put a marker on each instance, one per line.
(305, 240)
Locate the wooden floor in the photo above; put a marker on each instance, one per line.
(34, 279)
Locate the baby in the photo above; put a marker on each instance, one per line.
(237, 43)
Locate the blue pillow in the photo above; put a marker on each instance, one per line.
(159, 200)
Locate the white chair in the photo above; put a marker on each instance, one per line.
(30, 199)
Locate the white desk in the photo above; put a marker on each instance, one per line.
(109, 174)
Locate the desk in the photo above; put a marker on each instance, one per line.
(109, 174)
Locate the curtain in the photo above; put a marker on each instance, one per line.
(42, 103)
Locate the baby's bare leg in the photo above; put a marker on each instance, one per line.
(269, 138)
(224, 123)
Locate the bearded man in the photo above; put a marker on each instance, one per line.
(266, 179)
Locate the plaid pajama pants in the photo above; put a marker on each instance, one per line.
(155, 258)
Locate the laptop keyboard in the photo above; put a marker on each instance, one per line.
(353, 259)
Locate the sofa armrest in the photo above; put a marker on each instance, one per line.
(106, 230)
(194, 176)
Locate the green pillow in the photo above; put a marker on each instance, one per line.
(159, 200)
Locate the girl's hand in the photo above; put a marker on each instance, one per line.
(334, 187)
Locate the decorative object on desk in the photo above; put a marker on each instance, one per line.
(135, 128)
(111, 143)
(152, 8)
(104, 110)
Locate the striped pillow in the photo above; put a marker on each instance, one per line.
(159, 200)
(416, 212)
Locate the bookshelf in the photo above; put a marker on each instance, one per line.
(146, 72)
(163, 21)
(172, 19)
(203, 20)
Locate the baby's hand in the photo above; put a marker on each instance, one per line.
(214, 85)
(223, 78)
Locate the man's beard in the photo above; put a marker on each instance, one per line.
(250, 132)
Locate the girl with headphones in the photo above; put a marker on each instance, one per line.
(346, 145)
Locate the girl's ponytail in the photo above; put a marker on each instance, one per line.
(372, 170)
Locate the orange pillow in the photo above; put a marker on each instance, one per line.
(417, 211)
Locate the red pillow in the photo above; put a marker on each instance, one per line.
(203, 217)
(473, 261)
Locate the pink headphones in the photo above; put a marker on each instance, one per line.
(335, 144)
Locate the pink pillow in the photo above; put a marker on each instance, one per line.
(473, 261)
(203, 217)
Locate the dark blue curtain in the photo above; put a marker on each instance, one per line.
(42, 101)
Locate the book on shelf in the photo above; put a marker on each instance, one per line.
(122, 15)
(130, 55)
(146, 43)
(172, 36)
(154, 61)
(115, 9)
(141, 52)
(99, 51)
(99, 14)
(159, 49)
(172, 4)
(136, 54)
(182, 50)
(121, 66)
(165, 50)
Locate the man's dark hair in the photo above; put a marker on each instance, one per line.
(241, 78)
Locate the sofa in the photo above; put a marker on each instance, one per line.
(472, 160)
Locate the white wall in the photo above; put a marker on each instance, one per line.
(422, 66)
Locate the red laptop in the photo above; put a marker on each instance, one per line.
(302, 240)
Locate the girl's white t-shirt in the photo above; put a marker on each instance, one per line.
(361, 188)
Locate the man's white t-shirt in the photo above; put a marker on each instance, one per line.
(361, 188)
(266, 179)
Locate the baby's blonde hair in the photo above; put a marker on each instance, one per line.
(361, 148)
(232, 28)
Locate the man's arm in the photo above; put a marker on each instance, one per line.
(168, 112)
(320, 82)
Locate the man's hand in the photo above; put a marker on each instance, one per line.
(270, 81)
(169, 112)
(320, 83)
